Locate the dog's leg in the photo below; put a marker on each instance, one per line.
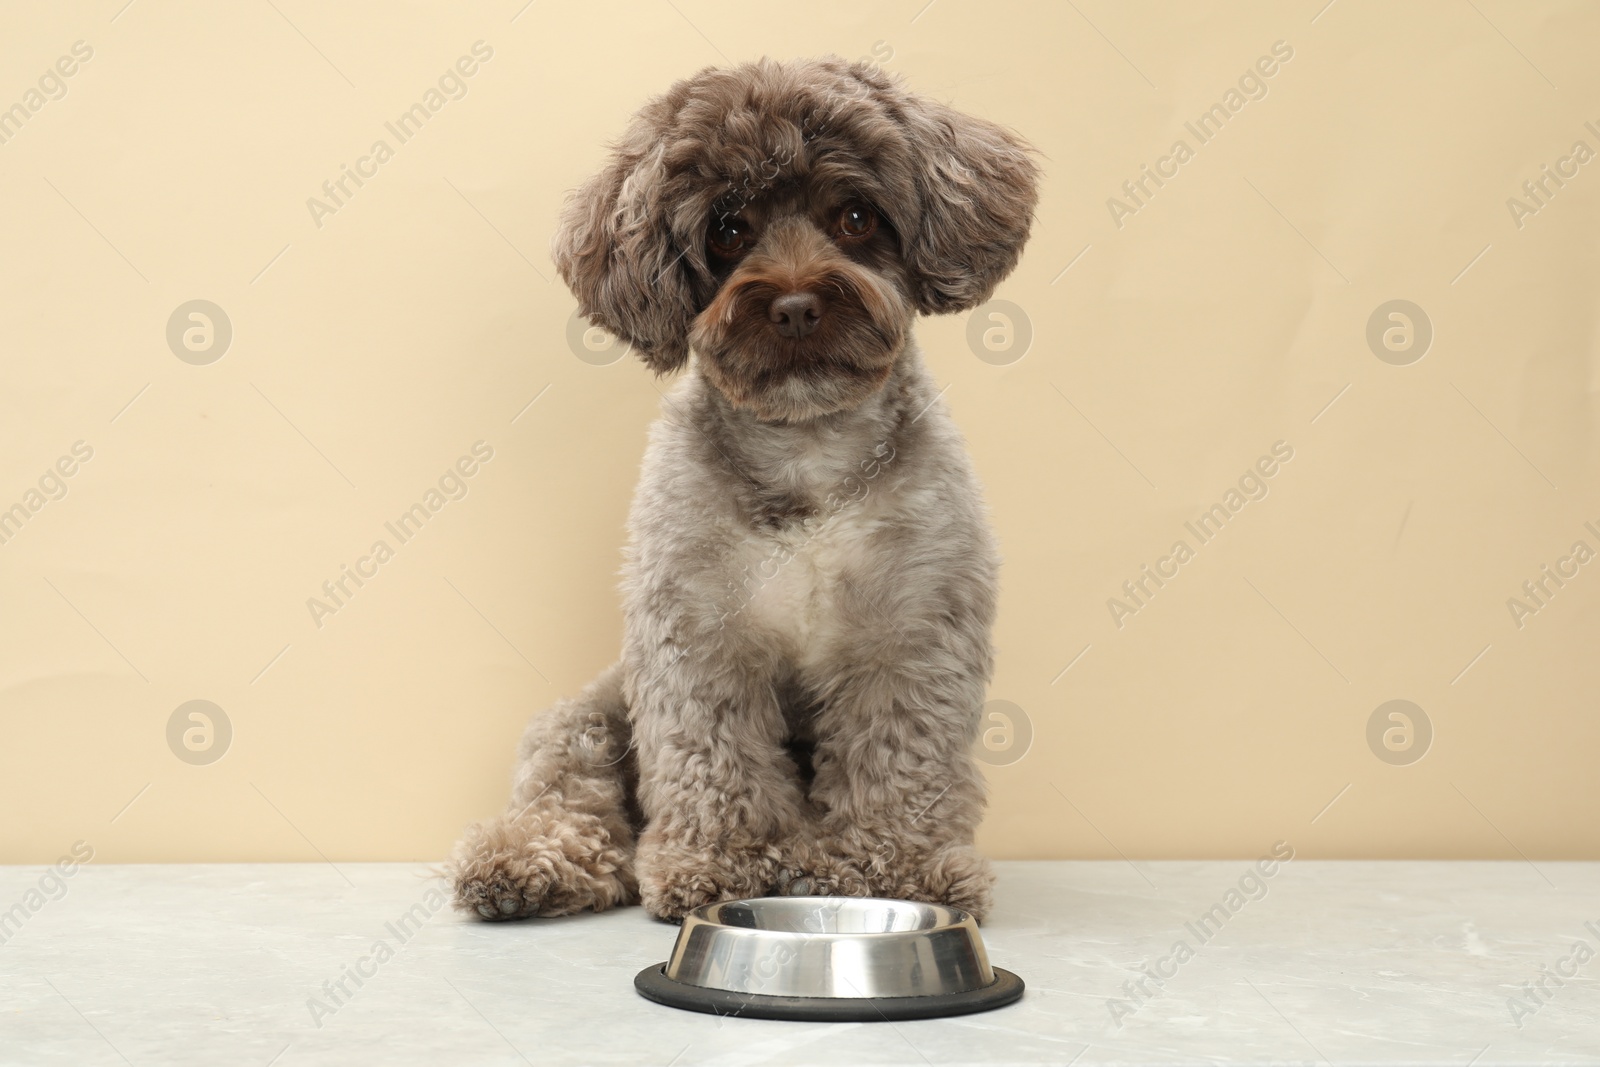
(719, 790)
(899, 791)
(565, 843)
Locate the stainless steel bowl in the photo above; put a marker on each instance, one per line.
(834, 958)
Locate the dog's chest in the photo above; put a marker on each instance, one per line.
(795, 582)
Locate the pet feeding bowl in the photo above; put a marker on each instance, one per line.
(829, 959)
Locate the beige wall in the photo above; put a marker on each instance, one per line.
(1172, 347)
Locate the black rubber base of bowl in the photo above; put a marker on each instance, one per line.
(653, 984)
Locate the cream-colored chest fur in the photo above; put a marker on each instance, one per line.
(791, 580)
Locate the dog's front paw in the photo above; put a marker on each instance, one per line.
(674, 880)
(813, 866)
(955, 875)
(501, 887)
(516, 868)
(952, 874)
(795, 883)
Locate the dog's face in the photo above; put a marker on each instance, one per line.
(812, 301)
(788, 221)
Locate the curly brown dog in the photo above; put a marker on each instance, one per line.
(811, 578)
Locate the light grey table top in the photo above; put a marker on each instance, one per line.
(1341, 963)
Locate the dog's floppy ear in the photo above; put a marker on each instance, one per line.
(615, 250)
(978, 186)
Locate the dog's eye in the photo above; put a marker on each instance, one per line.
(728, 236)
(857, 221)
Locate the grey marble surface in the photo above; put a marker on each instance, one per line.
(1340, 963)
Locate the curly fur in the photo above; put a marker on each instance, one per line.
(811, 579)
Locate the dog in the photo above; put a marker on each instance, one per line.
(811, 579)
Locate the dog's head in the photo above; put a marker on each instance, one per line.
(788, 220)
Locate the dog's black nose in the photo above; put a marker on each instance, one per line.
(796, 314)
